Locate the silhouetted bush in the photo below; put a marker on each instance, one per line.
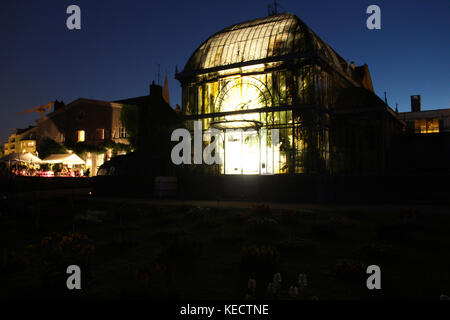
(350, 270)
(182, 251)
(267, 226)
(393, 232)
(261, 210)
(301, 246)
(326, 230)
(156, 282)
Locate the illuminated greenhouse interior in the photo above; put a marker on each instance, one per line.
(267, 73)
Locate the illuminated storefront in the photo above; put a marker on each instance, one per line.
(268, 73)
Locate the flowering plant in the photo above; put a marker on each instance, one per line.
(55, 252)
(302, 282)
(156, 281)
(259, 261)
(13, 261)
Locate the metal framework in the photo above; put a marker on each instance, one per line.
(273, 72)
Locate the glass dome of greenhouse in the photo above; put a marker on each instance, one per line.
(274, 38)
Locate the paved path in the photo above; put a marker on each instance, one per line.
(85, 194)
(48, 194)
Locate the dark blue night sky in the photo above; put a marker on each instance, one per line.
(116, 53)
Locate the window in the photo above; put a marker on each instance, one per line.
(426, 126)
(81, 136)
(100, 134)
(122, 133)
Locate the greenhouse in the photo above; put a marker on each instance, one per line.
(268, 73)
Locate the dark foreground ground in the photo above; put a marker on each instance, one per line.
(137, 248)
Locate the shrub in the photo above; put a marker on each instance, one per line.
(392, 232)
(299, 245)
(227, 239)
(373, 252)
(241, 217)
(261, 210)
(184, 208)
(13, 261)
(87, 219)
(126, 236)
(277, 288)
(341, 222)
(54, 253)
(289, 216)
(125, 213)
(326, 230)
(209, 222)
(59, 247)
(198, 212)
(409, 214)
(259, 261)
(350, 270)
(163, 235)
(355, 215)
(157, 281)
(160, 216)
(183, 252)
(263, 225)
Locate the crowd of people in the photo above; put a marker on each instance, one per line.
(64, 172)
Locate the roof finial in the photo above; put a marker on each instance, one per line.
(166, 90)
(273, 8)
(159, 69)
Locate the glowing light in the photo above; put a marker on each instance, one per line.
(241, 152)
(426, 126)
(81, 135)
(241, 95)
(253, 67)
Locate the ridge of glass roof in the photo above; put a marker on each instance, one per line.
(269, 37)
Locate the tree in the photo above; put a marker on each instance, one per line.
(129, 117)
(49, 146)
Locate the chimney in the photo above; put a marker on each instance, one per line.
(156, 90)
(416, 103)
(57, 104)
(352, 65)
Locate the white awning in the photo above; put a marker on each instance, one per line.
(21, 157)
(66, 158)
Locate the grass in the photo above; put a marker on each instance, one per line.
(206, 244)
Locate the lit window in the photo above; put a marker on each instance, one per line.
(81, 136)
(122, 133)
(426, 126)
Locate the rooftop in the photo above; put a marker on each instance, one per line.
(274, 37)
